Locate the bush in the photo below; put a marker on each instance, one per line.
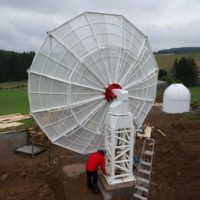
(161, 74)
(185, 71)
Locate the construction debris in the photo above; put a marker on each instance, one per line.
(161, 132)
(30, 149)
(36, 142)
(7, 121)
(146, 132)
(158, 104)
(8, 125)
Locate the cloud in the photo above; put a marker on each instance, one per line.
(183, 35)
(24, 30)
(167, 23)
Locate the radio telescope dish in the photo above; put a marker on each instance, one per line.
(73, 74)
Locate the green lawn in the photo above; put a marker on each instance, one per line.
(195, 95)
(14, 101)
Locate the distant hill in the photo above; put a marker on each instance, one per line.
(166, 61)
(179, 50)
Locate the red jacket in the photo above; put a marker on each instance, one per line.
(94, 161)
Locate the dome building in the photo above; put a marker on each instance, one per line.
(176, 99)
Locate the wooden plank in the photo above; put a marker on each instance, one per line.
(148, 131)
(8, 125)
(161, 132)
(13, 118)
(8, 116)
(158, 104)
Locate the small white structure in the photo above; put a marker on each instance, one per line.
(176, 99)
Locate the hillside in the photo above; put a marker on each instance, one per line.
(179, 50)
(166, 61)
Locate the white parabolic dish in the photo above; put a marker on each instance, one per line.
(74, 66)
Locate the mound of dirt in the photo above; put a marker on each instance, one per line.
(176, 173)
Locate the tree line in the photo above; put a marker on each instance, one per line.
(14, 65)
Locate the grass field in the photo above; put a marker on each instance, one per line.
(195, 95)
(14, 101)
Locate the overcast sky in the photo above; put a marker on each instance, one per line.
(167, 23)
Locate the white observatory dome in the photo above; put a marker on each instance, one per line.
(176, 99)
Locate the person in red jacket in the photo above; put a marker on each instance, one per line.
(95, 160)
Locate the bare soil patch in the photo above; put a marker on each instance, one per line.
(176, 173)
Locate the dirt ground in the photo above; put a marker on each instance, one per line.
(176, 171)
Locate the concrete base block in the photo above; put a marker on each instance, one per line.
(120, 191)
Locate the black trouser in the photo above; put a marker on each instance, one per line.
(92, 179)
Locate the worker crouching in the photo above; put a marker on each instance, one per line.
(95, 160)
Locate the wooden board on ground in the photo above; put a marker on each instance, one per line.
(13, 118)
(158, 104)
(12, 124)
(161, 132)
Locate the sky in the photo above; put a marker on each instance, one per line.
(167, 23)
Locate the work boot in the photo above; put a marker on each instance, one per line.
(95, 190)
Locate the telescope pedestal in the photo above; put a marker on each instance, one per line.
(115, 191)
